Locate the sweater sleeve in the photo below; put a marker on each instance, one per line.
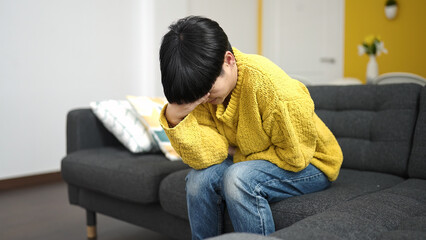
(293, 134)
(196, 139)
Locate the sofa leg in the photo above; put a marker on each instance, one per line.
(91, 224)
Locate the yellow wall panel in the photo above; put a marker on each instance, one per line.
(404, 37)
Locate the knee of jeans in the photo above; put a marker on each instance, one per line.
(236, 182)
(192, 185)
(197, 181)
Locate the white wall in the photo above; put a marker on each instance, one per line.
(57, 55)
(238, 18)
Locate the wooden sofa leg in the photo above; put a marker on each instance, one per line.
(91, 224)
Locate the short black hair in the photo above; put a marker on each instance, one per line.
(191, 58)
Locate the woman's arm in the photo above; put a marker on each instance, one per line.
(196, 138)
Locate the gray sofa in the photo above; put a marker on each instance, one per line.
(380, 192)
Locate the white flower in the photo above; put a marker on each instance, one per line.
(381, 48)
(361, 50)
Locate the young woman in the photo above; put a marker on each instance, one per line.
(247, 129)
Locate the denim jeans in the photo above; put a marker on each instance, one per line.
(246, 189)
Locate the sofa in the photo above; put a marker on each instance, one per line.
(379, 194)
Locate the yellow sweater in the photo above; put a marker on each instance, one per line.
(269, 116)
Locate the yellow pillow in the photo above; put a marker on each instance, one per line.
(148, 110)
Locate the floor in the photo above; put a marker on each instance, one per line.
(43, 212)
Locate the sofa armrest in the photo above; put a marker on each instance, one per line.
(84, 130)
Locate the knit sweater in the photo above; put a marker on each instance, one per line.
(270, 116)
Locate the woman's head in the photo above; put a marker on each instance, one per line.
(191, 57)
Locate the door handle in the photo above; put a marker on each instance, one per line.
(327, 60)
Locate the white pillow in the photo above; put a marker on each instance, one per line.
(120, 119)
(148, 110)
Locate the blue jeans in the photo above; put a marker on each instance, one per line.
(246, 188)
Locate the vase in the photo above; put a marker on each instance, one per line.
(372, 69)
(390, 11)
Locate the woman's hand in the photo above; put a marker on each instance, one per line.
(231, 150)
(175, 113)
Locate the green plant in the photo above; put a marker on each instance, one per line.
(391, 2)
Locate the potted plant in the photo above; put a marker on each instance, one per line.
(391, 8)
(372, 46)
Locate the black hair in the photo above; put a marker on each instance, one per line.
(191, 58)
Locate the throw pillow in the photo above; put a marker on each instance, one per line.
(149, 110)
(120, 119)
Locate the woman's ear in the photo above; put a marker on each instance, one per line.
(229, 58)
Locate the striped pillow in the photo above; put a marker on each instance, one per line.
(120, 119)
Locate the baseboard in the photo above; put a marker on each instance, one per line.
(29, 181)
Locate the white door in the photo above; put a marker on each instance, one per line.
(305, 38)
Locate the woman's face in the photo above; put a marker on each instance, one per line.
(226, 81)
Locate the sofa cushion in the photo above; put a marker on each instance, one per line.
(350, 184)
(118, 173)
(417, 163)
(372, 216)
(373, 124)
(173, 195)
(403, 234)
(242, 236)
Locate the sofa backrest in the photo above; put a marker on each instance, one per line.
(84, 130)
(373, 124)
(417, 161)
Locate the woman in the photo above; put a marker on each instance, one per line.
(246, 128)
